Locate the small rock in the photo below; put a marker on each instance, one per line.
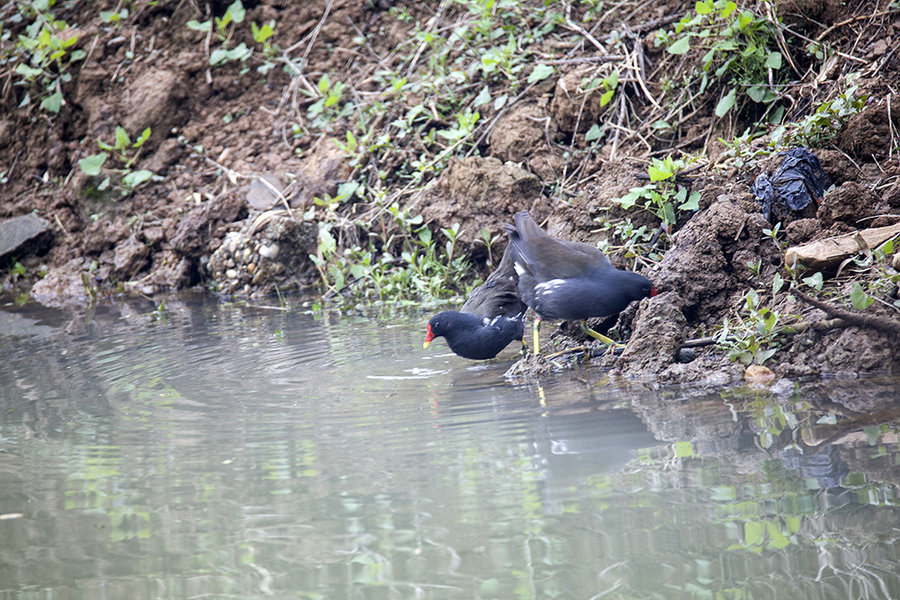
(759, 374)
(130, 257)
(231, 274)
(686, 355)
(24, 234)
(269, 251)
(264, 191)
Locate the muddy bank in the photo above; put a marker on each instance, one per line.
(250, 166)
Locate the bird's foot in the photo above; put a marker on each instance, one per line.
(525, 352)
(599, 336)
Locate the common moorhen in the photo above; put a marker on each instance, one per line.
(491, 318)
(566, 280)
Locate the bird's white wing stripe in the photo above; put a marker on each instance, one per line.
(548, 287)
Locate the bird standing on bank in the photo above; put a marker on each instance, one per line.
(572, 281)
(491, 318)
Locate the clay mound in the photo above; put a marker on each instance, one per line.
(478, 193)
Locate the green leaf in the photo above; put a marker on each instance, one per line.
(692, 202)
(237, 12)
(239, 52)
(873, 433)
(611, 81)
(483, 97)
(814, 281)
(725, 104)
(859, 298)
(660, 170)
(777, 283)
(26, 71)
(723, 493)
(324, 84)
(122, 139)
(704, 7)
(763, 355)
(261, 34)
(593, 133)
(669, 213)
(777, 539)
(136, 178)
(145, 135)
(631, 198)
(198, 26)
(757, 93)
(773, 60)
(680, 46)
(540, 73)
(92, 164)
(605, 97)
(53, 102)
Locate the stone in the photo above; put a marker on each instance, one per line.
(264, 192)
(269, 251)
(130, 257)
(25, 234)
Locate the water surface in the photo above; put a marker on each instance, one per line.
(231, 451)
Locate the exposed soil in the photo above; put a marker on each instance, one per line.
(238, 168)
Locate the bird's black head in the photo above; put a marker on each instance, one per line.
(438, 325)
(638, 287)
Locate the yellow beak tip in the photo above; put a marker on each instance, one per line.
(425, 345)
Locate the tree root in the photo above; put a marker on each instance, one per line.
(851, 318)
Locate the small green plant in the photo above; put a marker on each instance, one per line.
(18, 271)
(326, 106)
(224, 29)
(126, 152)
(607, 87)
(825, 122)
(112, 17)
(662, 197)
(262, 35)
(44, 55)
(406, 266)
(738, 49)
(752, 340)
(159, 313)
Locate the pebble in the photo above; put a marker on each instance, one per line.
(269, 252)
(231, 274)
(759, 374)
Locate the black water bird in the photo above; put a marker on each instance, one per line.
(572, 281)
(491, 318)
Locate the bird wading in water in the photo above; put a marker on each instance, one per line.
(491, 318)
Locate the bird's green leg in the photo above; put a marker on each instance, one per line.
(598, 336)
(537, 335)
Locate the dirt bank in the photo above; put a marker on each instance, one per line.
(250, 158)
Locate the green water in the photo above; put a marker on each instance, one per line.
(235, 452)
